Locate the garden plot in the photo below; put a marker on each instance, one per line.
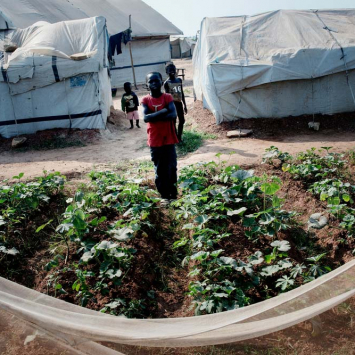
(233, 238)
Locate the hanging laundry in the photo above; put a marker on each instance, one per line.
(115, 44)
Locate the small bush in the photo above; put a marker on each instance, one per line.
(192, 140)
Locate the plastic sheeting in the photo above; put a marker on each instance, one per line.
(239, 53)
(181, 47)
(5, 22)
(79, 327)
(24, 13)
(325, 95)
(145, 20)
(42, 88)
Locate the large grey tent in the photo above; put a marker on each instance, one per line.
(151, 30)
(276, 64)
(181, 47)
(44, 85)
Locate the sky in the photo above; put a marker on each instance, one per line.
(188, 14)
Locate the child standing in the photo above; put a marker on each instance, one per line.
(130, 103)
(173, 86)
(160, 115)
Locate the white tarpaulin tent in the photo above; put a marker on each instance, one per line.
(181, 47)
(151, 30)
(42, 87)
(276, 64)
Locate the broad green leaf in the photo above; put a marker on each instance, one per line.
(256, 259)
(238, 212)
(65, 227)
(102, 219)
(43, 226)
(334, 201)
(87, 256)
(112, 273)
(94, 222)
(285, 264)
(297, 270)
(201, 219)
(284, 282)
(12, 251)
(269, 258)
(180, 243)
(270, 188)
(281, 245)
(215, 253)
(201, 255)
(228, 261)
(220, 295)
(105, 245)
(266, 218)
(346, 197)
(194, 272)
(113, 305)
(270, 270)
(316, 258)
(122, 234)
(323, 196)
(243, 174)
(79, 195)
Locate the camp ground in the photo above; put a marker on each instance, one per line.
(255, 252)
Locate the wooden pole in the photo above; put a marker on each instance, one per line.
(130, 53)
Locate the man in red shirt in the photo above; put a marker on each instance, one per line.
(160, 115)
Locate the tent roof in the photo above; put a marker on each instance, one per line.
(5, 22)
(24, 13)
(145, 20)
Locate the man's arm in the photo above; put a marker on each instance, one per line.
(166, 87)
(166, 114)
(135, 100)
(183, 98)
(123, 104)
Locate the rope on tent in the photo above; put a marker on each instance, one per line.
(6, 79)
(242, 75)
(98, 92)
(343, 55)
(312, 81)
(66, 98)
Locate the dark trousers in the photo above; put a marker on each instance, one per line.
(181, 117)
(164, 159)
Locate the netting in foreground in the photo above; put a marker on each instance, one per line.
(34, 323)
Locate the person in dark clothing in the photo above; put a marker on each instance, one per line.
(129, 104)
(173, 86)
(160, 115)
